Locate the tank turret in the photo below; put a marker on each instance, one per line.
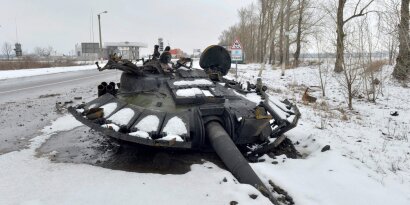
(173, 105)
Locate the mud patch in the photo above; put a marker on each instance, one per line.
(82, 145)
(143, 159)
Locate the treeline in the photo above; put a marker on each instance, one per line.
(276, 31)
(270, 28)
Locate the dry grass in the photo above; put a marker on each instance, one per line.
(376, 66)
(29, 62)
(344, 117)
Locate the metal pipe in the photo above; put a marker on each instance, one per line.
(110, 90)
(112, 84)
(223, 145)
(101, 90)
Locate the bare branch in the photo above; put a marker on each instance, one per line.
(361, 13)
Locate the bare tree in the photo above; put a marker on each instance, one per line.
(48, 51)
(351, 70)
(402, 69)
(281, 31)
(43, 52)
(273, 22)
(323, 68)
(340, 22)
(6, 50)
(389, 19)
(287, 29)
(38, 51)
(365, 50)
(262, 29)
(301, 6)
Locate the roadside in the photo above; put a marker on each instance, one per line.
(28, 104)
(7, 74)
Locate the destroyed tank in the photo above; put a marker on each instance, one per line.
(173, 105)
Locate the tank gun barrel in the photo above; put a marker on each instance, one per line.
(223, 145)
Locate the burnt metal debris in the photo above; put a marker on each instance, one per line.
(169, 104)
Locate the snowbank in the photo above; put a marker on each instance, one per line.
(6, 74)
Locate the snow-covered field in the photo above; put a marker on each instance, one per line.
(368, 162)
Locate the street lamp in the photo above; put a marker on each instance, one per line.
(99, 27)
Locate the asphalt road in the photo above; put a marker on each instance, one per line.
(28, 104)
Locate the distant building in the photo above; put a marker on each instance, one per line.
(196, 53)
(87, 50)
(128, 50)
(176, 53)
(18, 50)
(161, 44)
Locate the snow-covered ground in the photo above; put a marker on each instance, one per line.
(368, 160)
(27, 179)
(5, 74)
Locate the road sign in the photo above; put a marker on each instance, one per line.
(236, 55)
(236, 51)
(236, 45)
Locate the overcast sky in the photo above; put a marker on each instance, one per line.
(185, 24)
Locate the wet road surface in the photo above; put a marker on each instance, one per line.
(28, 104)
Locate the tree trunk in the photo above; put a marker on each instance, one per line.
(299, 33)
(349, 96)
(402, 69)
(272, 51)
(391, 51)
(340, 37)
(281, 39)
(262, 44)
(287, 28)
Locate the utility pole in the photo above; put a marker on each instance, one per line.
(99, 27)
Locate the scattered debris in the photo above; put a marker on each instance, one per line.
(59, 107)
(376, 81)
(49, 95)
(261, 160)
(325, 148)
(253, 196)
(285, 198)
(287, 148)
(95, 113)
